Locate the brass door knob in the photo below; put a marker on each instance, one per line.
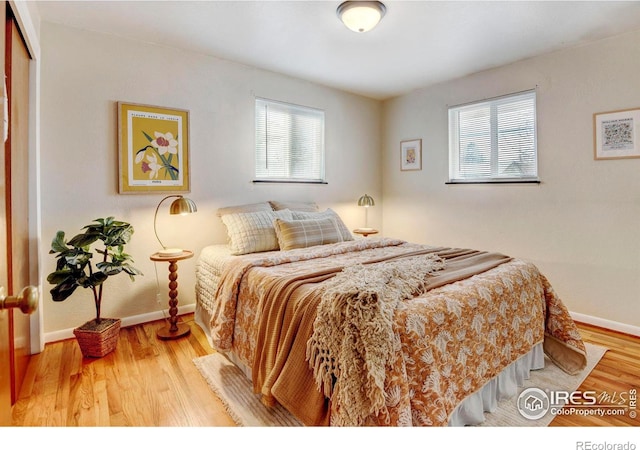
(27, 300)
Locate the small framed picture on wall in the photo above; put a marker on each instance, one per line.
(616, 134)
(411, 154)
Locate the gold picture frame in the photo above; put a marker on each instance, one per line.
(153, 149)
(411, 155)
(616, 134)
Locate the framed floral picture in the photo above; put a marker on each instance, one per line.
(616, 134)
(153, 149)
(411, 155)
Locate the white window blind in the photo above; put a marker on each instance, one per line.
(289, 142)
(494, 140)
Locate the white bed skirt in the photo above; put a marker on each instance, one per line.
(505, 385)
(471, 410)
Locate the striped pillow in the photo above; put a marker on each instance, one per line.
(253, 232)
(328, 213)
(306, 233)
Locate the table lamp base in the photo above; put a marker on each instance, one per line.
(170, 252)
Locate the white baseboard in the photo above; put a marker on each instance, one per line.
(604, 323)
(126, 322)
(186, 309)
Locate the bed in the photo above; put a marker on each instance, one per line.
(374, 331)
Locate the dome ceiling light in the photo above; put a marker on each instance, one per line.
(361, 16)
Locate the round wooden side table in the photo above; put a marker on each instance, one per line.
(365, 231)
(174, 330)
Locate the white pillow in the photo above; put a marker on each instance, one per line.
(253, 232)
(294, 206)
(328, 213)
(250, 207)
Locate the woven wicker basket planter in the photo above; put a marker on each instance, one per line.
(96, 343)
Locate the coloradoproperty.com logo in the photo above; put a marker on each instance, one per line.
(534, 403)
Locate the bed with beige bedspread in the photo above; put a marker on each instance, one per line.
(379, 331)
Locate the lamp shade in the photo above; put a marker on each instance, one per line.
(366, 201)
(181, 205)
(361, 16)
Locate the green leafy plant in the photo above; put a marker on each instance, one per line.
(74, 267)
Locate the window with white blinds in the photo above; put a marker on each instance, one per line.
(289, 142)
(494, 140)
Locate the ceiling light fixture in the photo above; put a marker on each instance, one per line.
(361, 16)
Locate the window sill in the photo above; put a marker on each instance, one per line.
(510, 181)
(290, 181)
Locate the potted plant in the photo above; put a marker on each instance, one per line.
(75, 268)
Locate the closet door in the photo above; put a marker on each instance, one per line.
(6, 337)
(15, 334)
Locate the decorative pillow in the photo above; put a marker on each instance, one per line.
(251, 207)
(253, 232)
(328, 213)
(306, 233)
(294, 206)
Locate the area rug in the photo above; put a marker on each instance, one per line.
(236, 393)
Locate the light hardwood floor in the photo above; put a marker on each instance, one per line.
(148, 382)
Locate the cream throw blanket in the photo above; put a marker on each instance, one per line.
(353, 336)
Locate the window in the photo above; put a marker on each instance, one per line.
(289, 142)
(494, 140)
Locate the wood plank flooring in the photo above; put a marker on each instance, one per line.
(617, 372)
(147, 382)
(144, 382)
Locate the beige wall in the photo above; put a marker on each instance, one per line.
(84, 74)
(580, 225)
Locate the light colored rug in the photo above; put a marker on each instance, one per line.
(552, 378)
(236, 392)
